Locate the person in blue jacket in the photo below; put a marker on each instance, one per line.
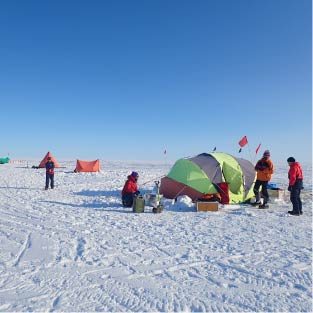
(49, 173)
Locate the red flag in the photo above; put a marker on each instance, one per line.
(243, 141)
(257, 149)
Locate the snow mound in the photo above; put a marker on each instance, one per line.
(183, 204)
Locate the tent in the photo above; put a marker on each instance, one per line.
(203, 173)
(87, 166)
(45, 160)
(4, 160)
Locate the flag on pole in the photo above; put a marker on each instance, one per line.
(243, 141)
(257, 149)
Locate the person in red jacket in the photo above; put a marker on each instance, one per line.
(130, 190)
(295, 185)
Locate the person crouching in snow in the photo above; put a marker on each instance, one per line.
(264, 169)
(49, 173)
(295, 185)
(130, 190)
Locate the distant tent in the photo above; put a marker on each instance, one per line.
(45, 160)
(206, 173)
(87, 166)
(4, 160)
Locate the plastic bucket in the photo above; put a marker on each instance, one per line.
(139, 205)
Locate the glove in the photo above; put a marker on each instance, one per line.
(264, 164)
(289, 188)
(137, 193)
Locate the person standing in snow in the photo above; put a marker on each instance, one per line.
(130, 190)
(49, 173)
(295, 185)
(264, 169)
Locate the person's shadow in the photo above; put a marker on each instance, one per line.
(95, 205)
(98, 205)
(106, 193)
(99, 193)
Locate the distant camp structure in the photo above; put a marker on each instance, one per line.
(45, 160)
(87, 166)
(17, 161)
(4, 160)
(208, 173)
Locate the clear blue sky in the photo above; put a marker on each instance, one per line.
(124, 80)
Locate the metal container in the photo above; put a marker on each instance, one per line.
(158, 209)
(139, 205)
(152, 199)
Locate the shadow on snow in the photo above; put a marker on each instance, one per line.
(19, 188)
(109, 207)
(105, 193)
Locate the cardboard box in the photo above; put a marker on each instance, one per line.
(207, 206)
(276, 193)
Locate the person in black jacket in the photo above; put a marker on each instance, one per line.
(49, 173)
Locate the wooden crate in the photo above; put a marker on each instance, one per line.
(207, 206)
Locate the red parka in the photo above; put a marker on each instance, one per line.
(295, 173)
(130, 185)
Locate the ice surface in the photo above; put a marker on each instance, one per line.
(75, 248)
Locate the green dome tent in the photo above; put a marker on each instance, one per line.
(4, 160)
(201, 175)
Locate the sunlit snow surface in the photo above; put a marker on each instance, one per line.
(75, 248)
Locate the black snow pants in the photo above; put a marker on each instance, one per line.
(128, 199)
(49, 177)
(256, 188)
(295, 200)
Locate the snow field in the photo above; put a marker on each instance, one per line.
(75, 248)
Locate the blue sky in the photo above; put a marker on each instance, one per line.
(125, 80)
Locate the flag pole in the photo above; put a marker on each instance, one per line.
(242, 143)
(249, 152)
(257, 151)
(165, 156)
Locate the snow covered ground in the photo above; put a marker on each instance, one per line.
(75, 248)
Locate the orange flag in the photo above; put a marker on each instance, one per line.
(243, 141)
(257, 149)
